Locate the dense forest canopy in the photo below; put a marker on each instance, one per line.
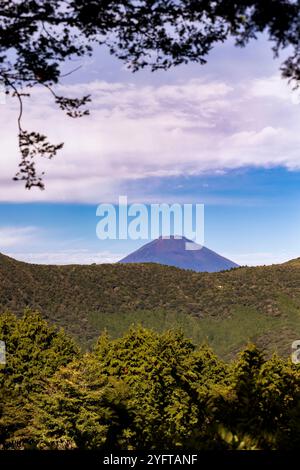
(144, 390)
(38, 36)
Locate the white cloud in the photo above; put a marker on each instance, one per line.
(137, 131)
(68, 257)
(275, 87)
(260, 258)
(16, 236)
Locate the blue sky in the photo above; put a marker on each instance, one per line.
(226, 135)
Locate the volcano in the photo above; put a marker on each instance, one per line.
(172, 251)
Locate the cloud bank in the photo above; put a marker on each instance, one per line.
(140, 131)
(63, 257)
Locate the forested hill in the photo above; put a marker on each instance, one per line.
(227, 309)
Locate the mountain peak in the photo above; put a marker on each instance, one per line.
(173, 251)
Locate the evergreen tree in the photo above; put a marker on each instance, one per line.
(34, 351)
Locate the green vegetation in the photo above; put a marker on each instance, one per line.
(225, 336)
(35, 351)
(225, 309)
(145, 390)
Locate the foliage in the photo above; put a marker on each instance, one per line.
(140, 391)
(261, 402)
(37, 36)
(164, 374)
(144, 390)
(80, 408)
(34, 351)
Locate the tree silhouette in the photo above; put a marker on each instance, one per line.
(38, 36)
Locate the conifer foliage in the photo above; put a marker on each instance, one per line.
(145, 390)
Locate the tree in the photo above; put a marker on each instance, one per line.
(260, 408)
(144, 390)
(34, 351)
(80, 408)
(37, 36)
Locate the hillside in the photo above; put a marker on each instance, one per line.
(172, 252)
(227, 309)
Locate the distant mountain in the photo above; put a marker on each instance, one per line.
(172, 252)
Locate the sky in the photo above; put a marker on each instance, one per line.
(225, 135)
